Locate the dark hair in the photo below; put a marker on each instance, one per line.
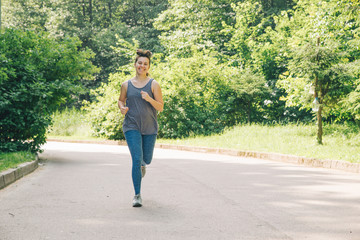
(143, 53)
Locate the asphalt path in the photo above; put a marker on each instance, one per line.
(84, 191)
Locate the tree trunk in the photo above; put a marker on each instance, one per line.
(319, 95)
(90, 11)
(110, 12)
(320, 129)
(83, 8)
(249, 113)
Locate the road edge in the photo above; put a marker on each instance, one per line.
(10, 176)
(277, 157)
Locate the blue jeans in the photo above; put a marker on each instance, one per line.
(141, 149)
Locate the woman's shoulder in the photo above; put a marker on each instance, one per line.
(126, 83)
(154, 85)
(153, 81)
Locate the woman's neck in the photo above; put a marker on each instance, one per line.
(141, 78)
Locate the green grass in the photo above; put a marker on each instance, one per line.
(340, 142)
(70, 124)
(12, 160)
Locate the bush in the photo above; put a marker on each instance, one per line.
(70, 122)
(104, 113)
(197, 97)
(37, 73)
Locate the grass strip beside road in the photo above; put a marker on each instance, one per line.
(12, 160)
(340, 142)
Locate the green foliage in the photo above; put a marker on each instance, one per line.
(255, 46)
(319, 51)
(194, 23)
(37, 74)
(104, 113)
(352, 101)
(198, 98)
(320, 45)
(250, 88)
(341, 141)
(139, 16)
(219, 62)
(95, 22)
(249, 22)
(69, 122)
(12, 160)
(312, 62)
(197, 95)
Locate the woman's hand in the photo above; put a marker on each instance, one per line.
(124, 110)
(157, 102)
(145, 96)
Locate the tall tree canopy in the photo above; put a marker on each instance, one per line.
(95, 22)
(263, 54)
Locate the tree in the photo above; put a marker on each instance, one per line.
(198, 97)
(95, 23)
(139, 17)
(318, 59)
(255, 47)
(320, 67)
(194, 23)
(37, 74)
(250, 88)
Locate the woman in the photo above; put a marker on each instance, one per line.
(139, 101)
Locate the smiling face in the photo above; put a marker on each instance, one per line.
(142, 66)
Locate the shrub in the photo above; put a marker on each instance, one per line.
(197, 97)
(104, 114)
(37, 73)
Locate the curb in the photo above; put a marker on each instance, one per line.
(12, 175)
(106, 142)
(277, 157)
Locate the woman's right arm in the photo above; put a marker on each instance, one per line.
(122, 99)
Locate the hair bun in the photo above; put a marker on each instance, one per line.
(144, 53)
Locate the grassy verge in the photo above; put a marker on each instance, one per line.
(70, 124)
(341, 142)
(12, 160)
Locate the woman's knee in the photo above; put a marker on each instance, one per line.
(148, 147)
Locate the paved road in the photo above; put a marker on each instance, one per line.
(84, 191)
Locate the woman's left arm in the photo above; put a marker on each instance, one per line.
(157, 102)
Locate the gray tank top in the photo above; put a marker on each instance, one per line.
(142, 116)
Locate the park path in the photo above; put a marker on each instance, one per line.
(84, 191)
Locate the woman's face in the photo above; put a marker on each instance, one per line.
(142, 66)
